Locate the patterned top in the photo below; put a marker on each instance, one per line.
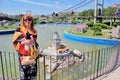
(22, 34)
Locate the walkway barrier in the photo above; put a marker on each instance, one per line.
(90, 40)
(83, 66)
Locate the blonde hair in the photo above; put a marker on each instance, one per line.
(28, 16)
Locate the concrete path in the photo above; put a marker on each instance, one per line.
(114, 75)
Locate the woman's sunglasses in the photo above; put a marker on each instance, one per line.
(28, 19)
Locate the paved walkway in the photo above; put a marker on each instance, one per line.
(114, 75)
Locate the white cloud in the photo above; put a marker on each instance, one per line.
(39, 3)
(56, 2)
(56, 5)
(70, 5)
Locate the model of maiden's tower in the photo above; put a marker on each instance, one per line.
(56, 48)
(57, 55)
(56, 42)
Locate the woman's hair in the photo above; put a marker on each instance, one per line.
(27, 16)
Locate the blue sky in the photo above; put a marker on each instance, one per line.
(40, 7)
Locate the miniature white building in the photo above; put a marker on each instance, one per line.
(58, 55)
(116, 32)
(56, 41)
(56, 48)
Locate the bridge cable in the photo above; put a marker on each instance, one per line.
(83, 5)
(72, 6)
(76, 7)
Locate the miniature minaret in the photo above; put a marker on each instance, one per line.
(56, 41)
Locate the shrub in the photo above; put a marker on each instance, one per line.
(103, 26)
(96, 29)
(90, 24)
(110, 37)
(116, 24)
(109, 27)
(98, 33)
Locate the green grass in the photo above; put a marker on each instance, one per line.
(7, 27)
(89, 33)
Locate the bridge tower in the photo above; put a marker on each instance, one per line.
(98, 10)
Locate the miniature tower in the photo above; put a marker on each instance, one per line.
(56, 41)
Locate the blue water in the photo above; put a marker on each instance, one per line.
(45, 33)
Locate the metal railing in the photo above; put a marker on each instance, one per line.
(83, 66)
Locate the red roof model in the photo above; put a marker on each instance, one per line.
(81, 26)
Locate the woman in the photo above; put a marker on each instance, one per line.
(25, 42)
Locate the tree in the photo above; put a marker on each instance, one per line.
(96, 29)
(110, 11)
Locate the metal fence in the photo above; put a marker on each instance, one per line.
(84, 66)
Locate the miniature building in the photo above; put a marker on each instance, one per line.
(59, 55)
(118, 12)
(56, 47)
(56, 41)
(80, 29)
(43, 20)
(116, 32)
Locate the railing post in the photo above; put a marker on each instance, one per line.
(44, 68)
(98, 62)
(2, 65)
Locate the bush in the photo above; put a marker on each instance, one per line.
(110, 37)
(96, 29)
(109, 27)
(90, 24)
(98, 33)
(103, 26)
(115, 24)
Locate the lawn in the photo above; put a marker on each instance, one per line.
(90, 32)
(7, 27)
